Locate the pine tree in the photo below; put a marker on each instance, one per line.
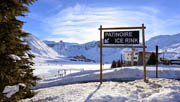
(119, 63)
(152, 59)
(113, 65)
(15, 62)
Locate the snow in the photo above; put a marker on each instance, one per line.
(163, 41)
(61, 51)
(51, 70)
(22, 85)
(87, 50)
(14, 57)
(10, 90)
(170, 43)
(155, 90)
(68, 81)
(39, 48)
(91, 73)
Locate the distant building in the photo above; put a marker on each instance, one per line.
(136, 57)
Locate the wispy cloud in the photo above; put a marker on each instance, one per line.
(80, 23)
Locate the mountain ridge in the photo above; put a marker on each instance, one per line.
(169, 44)
(39, 48)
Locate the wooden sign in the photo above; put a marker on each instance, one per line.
(121, 37)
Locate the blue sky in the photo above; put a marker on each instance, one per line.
(78, 20)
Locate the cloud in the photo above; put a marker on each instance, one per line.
(80, 23)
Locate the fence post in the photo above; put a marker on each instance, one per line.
(156, 61)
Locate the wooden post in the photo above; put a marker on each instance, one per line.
(156, 61)
(100, 54)
(144, 52)
(132, 57)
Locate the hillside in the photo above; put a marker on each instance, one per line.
(39, 48)
(89, 50)
(163, 41)
(169, 44)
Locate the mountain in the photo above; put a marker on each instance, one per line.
(39, 48)
(163, 41)
(88, 50)
(168, 44)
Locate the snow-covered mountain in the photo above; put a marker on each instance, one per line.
(168, 43)
(163, 41)
(89, 50)
(39, 48)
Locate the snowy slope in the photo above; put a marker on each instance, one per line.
(169, 44)
(90, 50)
(39, 48)
(173, 52)
(163, 41)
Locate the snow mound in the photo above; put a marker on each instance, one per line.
(14, 57)
(10, 90)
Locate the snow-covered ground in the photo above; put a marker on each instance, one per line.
(80, 84)
(90, 72)
(49, 71)
(155, 90)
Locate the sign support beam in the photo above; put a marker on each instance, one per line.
(117, 28)
(123, 46)
(144, 52)
(100, 54)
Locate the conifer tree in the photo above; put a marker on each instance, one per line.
(15, 61)
(152, 59)
(119, 63)
(113, 65)
(122, 61)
